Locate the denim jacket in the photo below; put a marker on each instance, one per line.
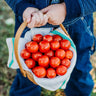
(78, 22)
(75, 8)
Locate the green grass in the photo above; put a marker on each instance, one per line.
(7, 75)
(93, 94)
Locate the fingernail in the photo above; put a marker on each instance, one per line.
(46, 16)
(28, 20)
(24, 19)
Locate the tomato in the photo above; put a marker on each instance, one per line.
(50, 53)
(36, 55)
(37, 37)
(44, 46)
(65, 44)
(54, 62)
(43, 61)
(57, 38)
(55, 45)
(32, 46)
(61, 70)
(60, 53)
(51, 73)
(30, 63)
(39, 71)
(48, 38)
(68, 54)
(25, 54)
(66, 62)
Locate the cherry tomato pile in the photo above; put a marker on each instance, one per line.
(47, 56)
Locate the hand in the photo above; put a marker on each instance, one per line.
(56, 13)
(34, 17)
(27, 14)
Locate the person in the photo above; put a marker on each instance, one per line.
(77, 17)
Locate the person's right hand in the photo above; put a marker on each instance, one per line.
(34, 17)
(56, 13)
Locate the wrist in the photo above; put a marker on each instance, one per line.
(64, 6)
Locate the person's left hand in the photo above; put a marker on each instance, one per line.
(38, 19)
(56, 13)
(34, 17)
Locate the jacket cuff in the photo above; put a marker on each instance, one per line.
(21, 6)
(73, 9)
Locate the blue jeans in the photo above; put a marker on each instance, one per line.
(80, 84)
(23, 87)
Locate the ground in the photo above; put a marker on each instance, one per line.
(7, 75)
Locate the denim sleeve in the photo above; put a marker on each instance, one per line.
(18, 6)
(79, 8)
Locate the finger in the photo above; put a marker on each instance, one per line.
(27, 15)
(45, 10)
(49, 15)
(32, 23)
(41, 16)
(27, 18)
(37, 18)
(52, 22)
(45, 20)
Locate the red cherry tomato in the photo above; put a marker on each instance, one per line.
(30, 63)
(60, 53)
(66, 62)
(54, 62)
(36, 55)
(39, 71)
(44, 46)
(65, 44)
(55, 45)
(57, 38)
(61, 70)
(48, 38)
(51, 73)
(25, 54)
(68, 54)
(43, 61)
(50, 53)
(37, 37)
(32, 46)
